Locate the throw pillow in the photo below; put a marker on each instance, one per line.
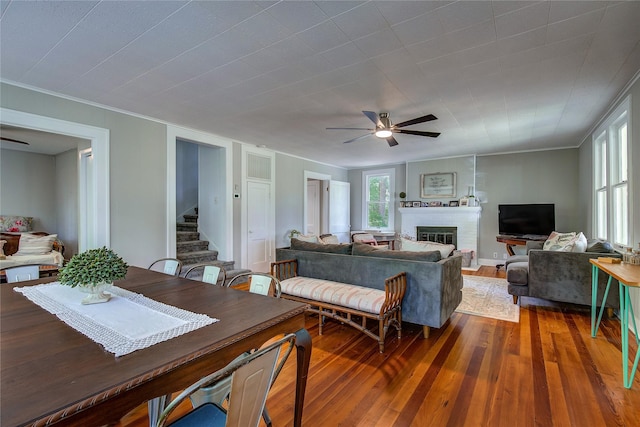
(599, 246)
(2, 242)
(560, 242)
(580, 243)
(308, 238)
(364, 249)
(415, 246)
(31, 244)
(329, 239)
(301, 245)
(16, 224)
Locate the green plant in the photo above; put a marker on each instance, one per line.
(293, 233)
(402, 194)
(93, 267)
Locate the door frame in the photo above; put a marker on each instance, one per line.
(323, 202)
(225, 245)
(271, 209)
(99, 195)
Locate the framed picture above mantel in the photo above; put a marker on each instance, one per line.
(437, 185)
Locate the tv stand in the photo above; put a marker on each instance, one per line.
(511, 241)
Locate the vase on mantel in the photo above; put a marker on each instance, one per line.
(95, 293)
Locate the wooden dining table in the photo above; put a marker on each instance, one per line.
(52, 374)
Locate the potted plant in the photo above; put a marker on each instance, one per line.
(93, 271)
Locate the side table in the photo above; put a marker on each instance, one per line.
(628, 276)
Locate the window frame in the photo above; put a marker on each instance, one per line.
(611, 177)
(366, 176)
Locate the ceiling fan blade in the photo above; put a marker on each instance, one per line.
(13, 140)
(350, 129)
(357, 138)
(391, 141)
(373, 117)
(417, 132)
(417, 120)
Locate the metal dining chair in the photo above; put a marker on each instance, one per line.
(21, 273)
(250, 379)
(259, 283)
(211, 273)
(171, 266)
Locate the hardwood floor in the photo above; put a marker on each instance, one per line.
(474, 371)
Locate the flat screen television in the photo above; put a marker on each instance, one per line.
(527, 219)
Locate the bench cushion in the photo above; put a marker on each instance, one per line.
(352, 296)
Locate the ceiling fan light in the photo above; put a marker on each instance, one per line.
(383, 133)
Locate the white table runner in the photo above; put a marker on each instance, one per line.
(128, 322)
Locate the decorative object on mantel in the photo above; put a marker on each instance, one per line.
(402, 196)
(464, 201)
(437, 185)
(454, 203)
(93, 271)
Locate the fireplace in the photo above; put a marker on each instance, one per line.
(446, 235)
(465, 219)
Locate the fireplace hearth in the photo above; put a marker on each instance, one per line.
(445, 235)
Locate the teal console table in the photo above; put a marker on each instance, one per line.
(628, 276)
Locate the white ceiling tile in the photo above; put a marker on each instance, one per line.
(462, 14)
(476, 35)
(561, 10)
(522, 20)
(569, 28)
(344, 55)
(419, 29)
(361, 21)
(323, 37)
(298, 15)
(523, 41)
(501, 7)
(378, 43)
(395, 12)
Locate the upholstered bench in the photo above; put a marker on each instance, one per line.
(341, 301)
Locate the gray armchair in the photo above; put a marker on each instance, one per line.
(559, 276)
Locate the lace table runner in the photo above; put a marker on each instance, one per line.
(128, 322)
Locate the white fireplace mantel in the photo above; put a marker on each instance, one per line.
(465, 219)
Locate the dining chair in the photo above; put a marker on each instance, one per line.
(365, 238)
(259, 283)
(171, 266)
(21, 273)
(251, 378)
(211, 273)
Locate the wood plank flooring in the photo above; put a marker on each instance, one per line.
(474, 371)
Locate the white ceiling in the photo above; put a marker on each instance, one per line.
(500, 76)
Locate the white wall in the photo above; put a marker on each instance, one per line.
(28, 187)
(66, 205)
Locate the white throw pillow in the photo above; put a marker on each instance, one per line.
(30, 244)
(415, 246)
(312, 238)
(560, 242)
(580, 243)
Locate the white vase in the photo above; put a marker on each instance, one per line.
(95, 293)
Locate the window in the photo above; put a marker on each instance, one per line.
(378, 190)
(611, 185)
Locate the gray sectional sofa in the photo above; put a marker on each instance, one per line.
(434, 285)
(559, 276)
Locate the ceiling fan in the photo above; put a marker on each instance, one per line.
(385, 129)
(4, 138)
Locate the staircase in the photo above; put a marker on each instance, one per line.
(191, 250)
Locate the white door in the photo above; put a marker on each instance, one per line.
(313, 207)
(339, 210)
(258, 202)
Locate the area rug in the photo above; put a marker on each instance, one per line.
(488, 297)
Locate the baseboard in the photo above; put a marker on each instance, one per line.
(488, 261)
(472, 267)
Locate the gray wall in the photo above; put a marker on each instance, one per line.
(290, 185)
(138, 158)
(535, 177)
(28, 187)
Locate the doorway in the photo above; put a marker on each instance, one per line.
(93, 226)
